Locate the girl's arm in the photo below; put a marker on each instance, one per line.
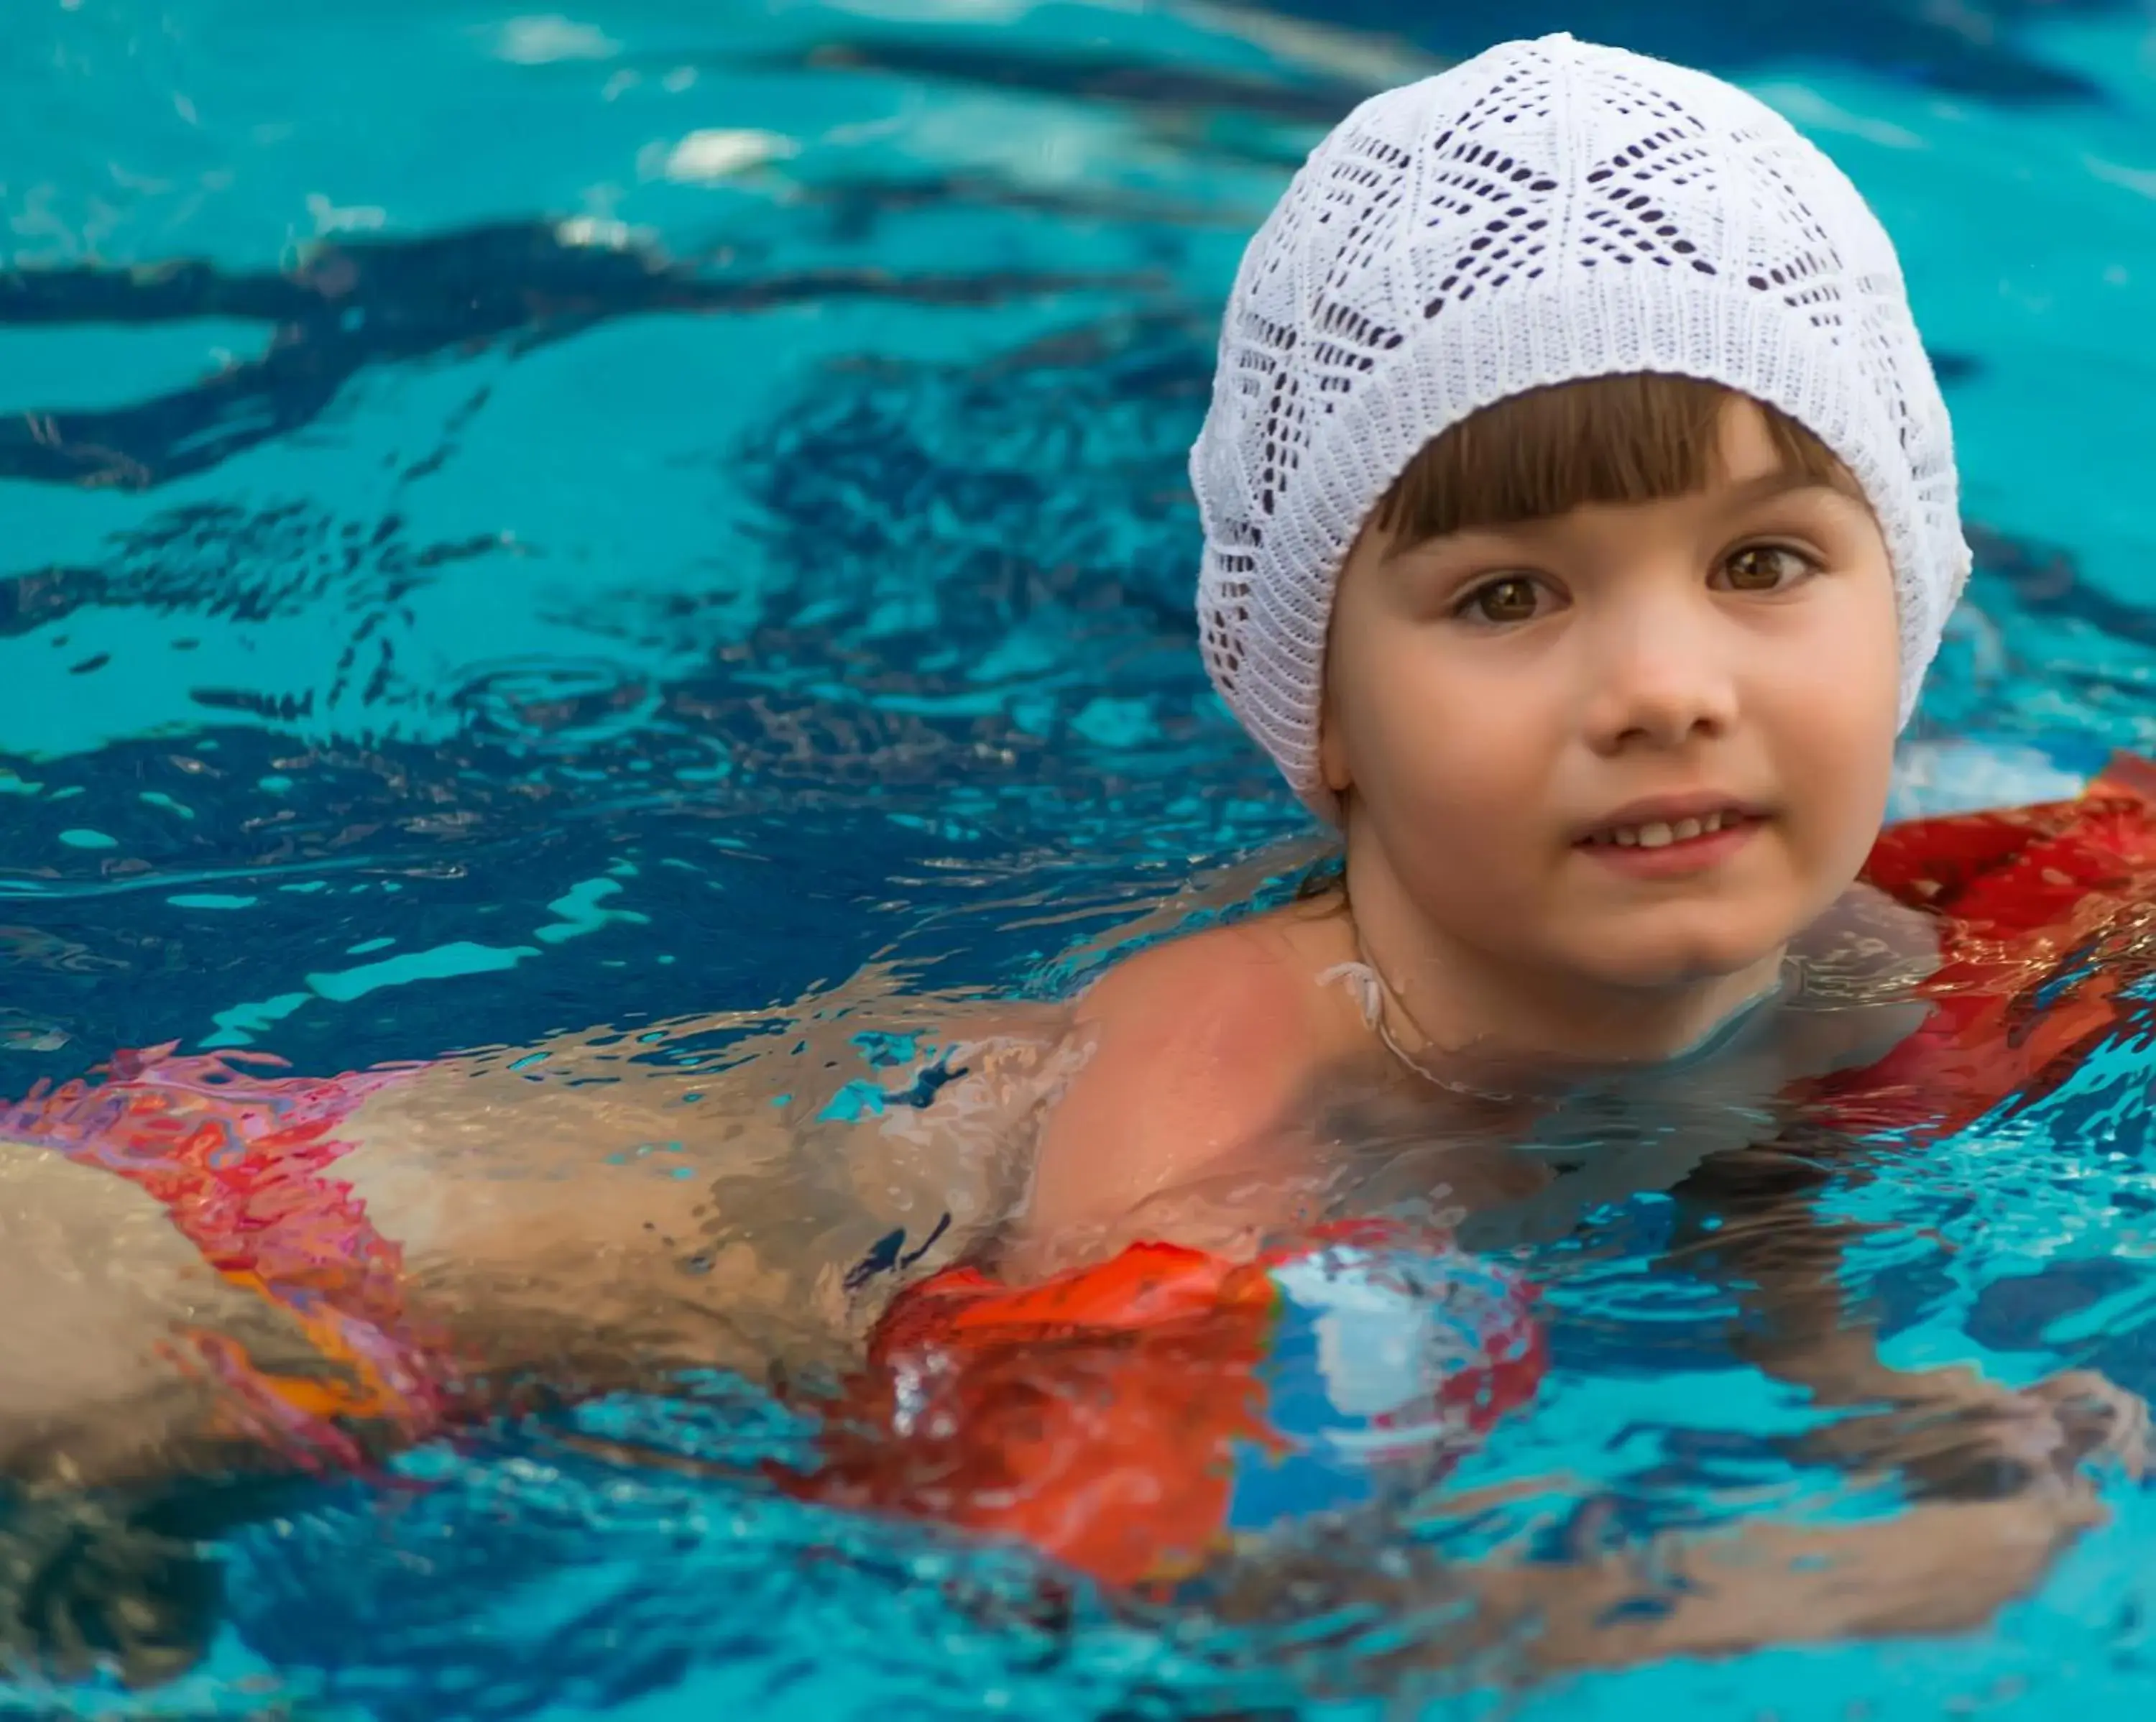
(1748, 1221)
(1933, 1568)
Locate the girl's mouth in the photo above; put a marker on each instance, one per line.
(1667, 848)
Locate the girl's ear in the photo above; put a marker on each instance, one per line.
(1331, 749)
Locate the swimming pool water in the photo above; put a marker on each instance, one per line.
(637, 511)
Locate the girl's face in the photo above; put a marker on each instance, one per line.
(1624, 752)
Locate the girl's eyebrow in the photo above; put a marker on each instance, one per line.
(1786, 483)
(1747, 493)
(1783, 481)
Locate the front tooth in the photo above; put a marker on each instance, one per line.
(1655, 836)
(1684, 830)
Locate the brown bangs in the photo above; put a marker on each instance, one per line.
(1605, 439)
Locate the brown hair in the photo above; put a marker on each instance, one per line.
(1603, 440)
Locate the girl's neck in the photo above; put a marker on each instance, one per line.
(1442, 999)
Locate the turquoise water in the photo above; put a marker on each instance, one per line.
(638, 510)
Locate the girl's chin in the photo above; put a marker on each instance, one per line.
(1741, 960)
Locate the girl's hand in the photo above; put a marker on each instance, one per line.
(1955, 1435)
(1940, 1567)
(2078, 1416)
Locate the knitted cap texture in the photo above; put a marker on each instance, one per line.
(1546, 212)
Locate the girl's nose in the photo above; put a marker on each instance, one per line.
(1664, 674)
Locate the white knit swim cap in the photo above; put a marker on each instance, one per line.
(1546, 212)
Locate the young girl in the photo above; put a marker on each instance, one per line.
(1580, 520)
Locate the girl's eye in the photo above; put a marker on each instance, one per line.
(1513, 598)
(1766, 567)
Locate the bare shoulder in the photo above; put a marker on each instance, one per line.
(1239, 993)
(1194, 1051)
